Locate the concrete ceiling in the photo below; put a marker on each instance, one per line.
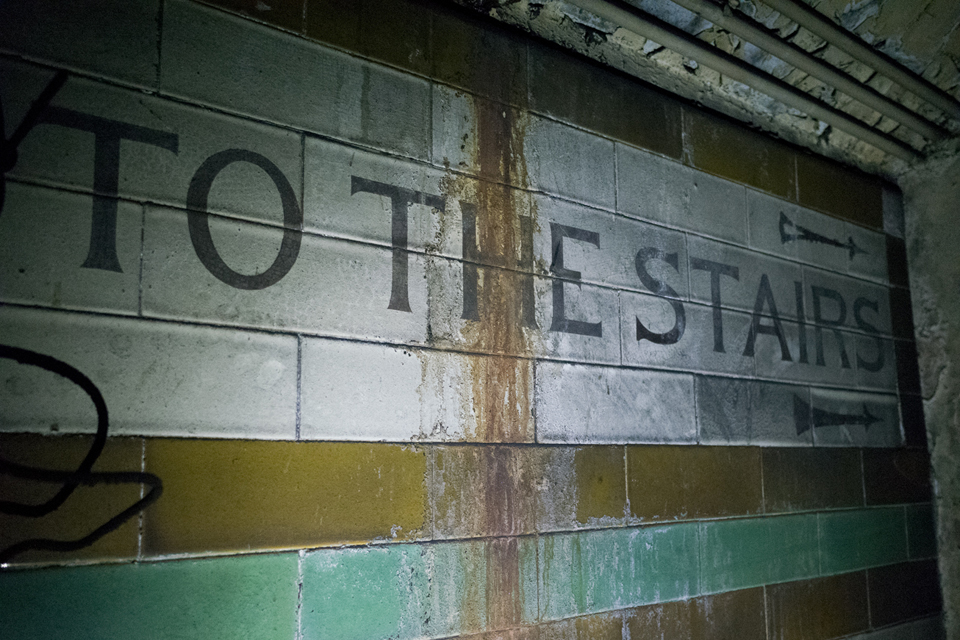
(920, 34)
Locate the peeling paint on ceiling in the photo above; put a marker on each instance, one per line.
(920, 34)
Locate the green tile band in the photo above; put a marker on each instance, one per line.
(228, 598)
(432, 589)
(443, 589)
(736, 554)
(595, 571)
(416, 590)
(852, 540)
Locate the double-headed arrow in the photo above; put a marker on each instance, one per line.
(790, 232)
(806, 416)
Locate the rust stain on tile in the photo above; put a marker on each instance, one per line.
(498, 301)
(482, 491)
(500, 327)
(503, 598)
(486, 493)
(602, 626)
(502, 387)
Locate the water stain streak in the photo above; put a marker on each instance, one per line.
(502, 325)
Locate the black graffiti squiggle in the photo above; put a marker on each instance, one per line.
(83, 475)
(71, 479)
(8, 148)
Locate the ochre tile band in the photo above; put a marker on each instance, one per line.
(241, 496)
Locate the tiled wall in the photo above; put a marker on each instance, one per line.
(431, 330)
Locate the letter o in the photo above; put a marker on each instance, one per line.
(198, 219)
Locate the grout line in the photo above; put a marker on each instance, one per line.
(763, 482)
(796, 179)
(863, 474)
(303, 205)
(160, 19)
(534, 414)
(540, 569)
(527, 77)
(685, 241)
(431, 85)
(616, 176)
(620, 332)
(303, 178)
(143, 469)
(819, 550)
(766, 613)
(627, 509)
(906, 533)
(700, 543)
(807, 390)
(299, 387)
(301, 555)
(431, 459)
(746, 219)
(143, 235)
(866, 578)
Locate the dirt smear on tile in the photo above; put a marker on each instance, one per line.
(500, 327)
(498, 288)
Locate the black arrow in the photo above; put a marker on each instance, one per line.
(805, 416)
(790, 232)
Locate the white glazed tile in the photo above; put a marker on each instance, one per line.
(157, 378)
(570, 163)
(585, 404)
(44, 243)
(334, 288)
(659, 190)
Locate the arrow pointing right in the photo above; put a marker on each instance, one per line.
(790, 231)
(806, 416)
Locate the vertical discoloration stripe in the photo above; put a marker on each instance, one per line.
(498, 311)
(483, 491)
(498, 308)
(502, 390)
(504, 597)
